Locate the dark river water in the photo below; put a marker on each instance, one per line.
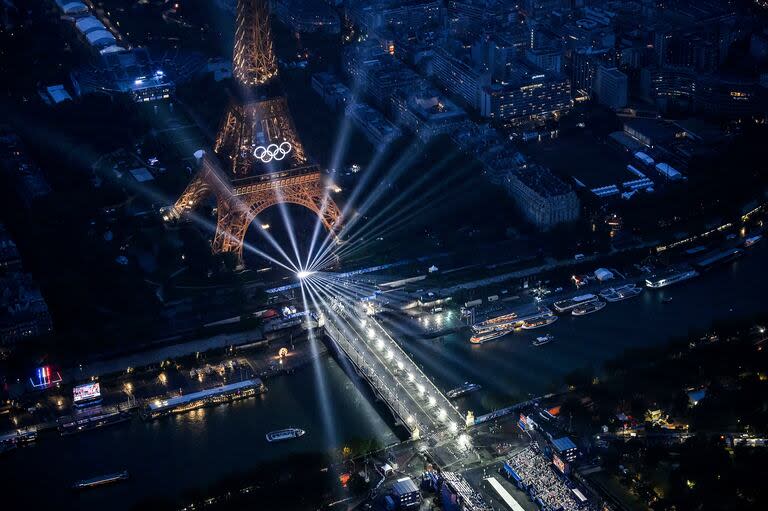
(170, 456)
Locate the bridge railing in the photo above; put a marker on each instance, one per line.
(377, 383)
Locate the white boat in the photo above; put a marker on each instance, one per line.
(616, 294)
(588, 308)
(669, 277)
(488, 335)
(570, 303)
(543, 339)
(284, 434)
(538, 321)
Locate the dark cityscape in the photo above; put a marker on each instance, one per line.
(383, 255)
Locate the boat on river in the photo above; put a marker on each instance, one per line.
(285, 434)
(100, 480)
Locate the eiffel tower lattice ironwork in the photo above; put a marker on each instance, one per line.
(258, 144)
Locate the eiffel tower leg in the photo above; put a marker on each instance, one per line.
(325, 207)
(231, 226)
(194, 193)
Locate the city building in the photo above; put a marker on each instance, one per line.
(377, 129)
(308, 17)
(565, 449)
(23, 311)
(405, 494)
(529, 93)
(548, 59)
(611, 87)
(408, 16)
(20, 172)
(335, 94)
(584, 64)
(133, 72)
(459, 78)
(427, 114)
(541, 197)
(9, 254)
(377, 74)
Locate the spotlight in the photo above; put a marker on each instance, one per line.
(303, 274)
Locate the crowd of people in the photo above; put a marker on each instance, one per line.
(544, 483)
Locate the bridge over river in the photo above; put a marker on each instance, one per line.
(411, 396)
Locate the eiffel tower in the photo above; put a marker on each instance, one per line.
(257, 143)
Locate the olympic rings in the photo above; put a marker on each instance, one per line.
(272, 152)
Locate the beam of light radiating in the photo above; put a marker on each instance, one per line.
(339, 151)
(288, 225)
(406, 204)
(400, 167)
(324, 398)
(402, 163)
(224, 187)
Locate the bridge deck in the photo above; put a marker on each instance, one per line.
(407, 391)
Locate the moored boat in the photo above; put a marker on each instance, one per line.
(616, 294)
(495, 322)
(489, 334)
(669, 277)
(538, 321)
(570, 303)
(588, 308)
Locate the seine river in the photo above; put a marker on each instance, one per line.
(168, 457)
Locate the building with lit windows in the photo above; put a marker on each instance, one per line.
(376, 73)
(584, 64)
(409, 16)
(529, 94)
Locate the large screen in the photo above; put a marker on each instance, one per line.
(561, 466)
(86, 392)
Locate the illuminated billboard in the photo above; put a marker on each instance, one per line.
(560, 464)
(86, 392)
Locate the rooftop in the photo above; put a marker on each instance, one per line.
(563, 444)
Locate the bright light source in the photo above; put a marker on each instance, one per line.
(420, 388)
(432, 401)
(452, 427)
(441, 414)
(303, 274)
(400, 365)
(410, 376)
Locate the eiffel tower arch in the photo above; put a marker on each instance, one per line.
(258, 145)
